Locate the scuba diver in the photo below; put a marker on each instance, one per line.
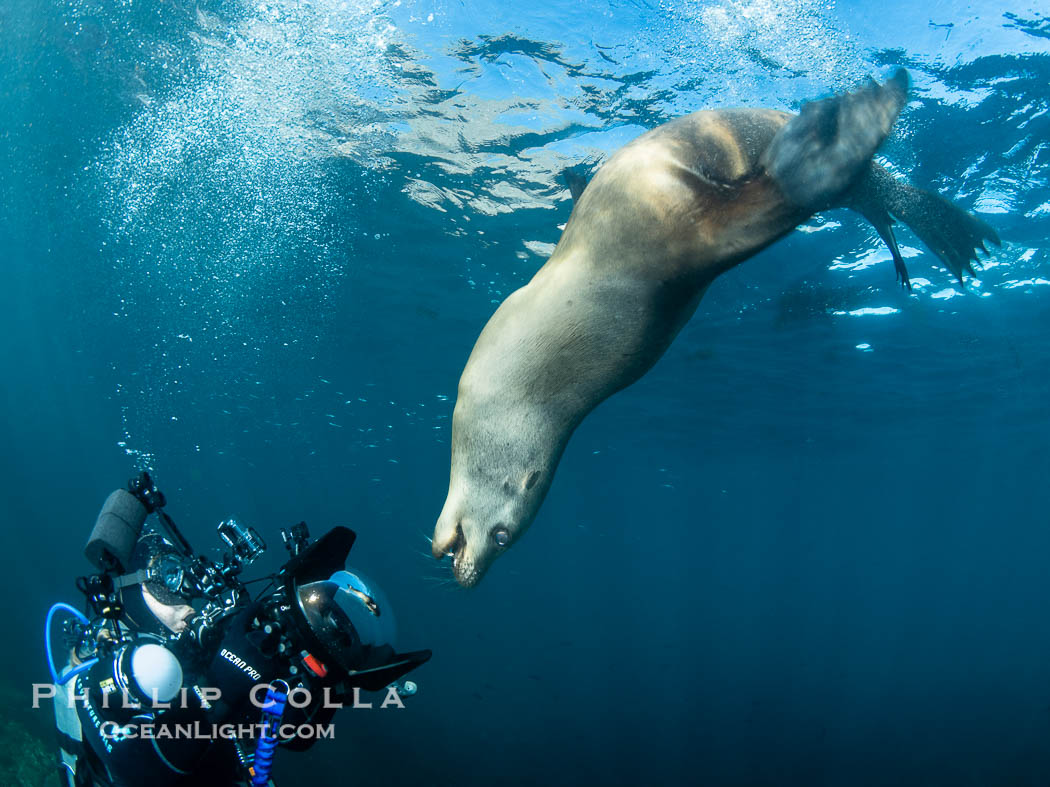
(178, 675)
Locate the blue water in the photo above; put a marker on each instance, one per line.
(249, 245)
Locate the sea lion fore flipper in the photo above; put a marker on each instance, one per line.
(821, 152)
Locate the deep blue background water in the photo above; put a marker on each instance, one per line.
(248, 246)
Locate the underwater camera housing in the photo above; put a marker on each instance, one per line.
(284, 629)
(234, 637)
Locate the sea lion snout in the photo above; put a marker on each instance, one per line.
(450, 540)
(448, 536)
(473, 539)
(454, 536)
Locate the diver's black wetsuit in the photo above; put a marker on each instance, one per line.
(180, 746)
(170, 746)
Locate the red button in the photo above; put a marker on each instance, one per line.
(315, 666)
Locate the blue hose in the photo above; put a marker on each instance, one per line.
(47, 644)
(272, 709)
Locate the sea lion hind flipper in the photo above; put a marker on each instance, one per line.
(883, 223)
(947, 230)
(821, 152)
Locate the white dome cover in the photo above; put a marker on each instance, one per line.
(157, 672)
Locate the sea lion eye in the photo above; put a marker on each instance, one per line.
(501, 536)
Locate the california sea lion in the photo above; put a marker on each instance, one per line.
(660, 220)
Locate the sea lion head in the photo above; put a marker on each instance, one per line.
(501, 470)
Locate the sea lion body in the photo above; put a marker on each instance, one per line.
(659, 222)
